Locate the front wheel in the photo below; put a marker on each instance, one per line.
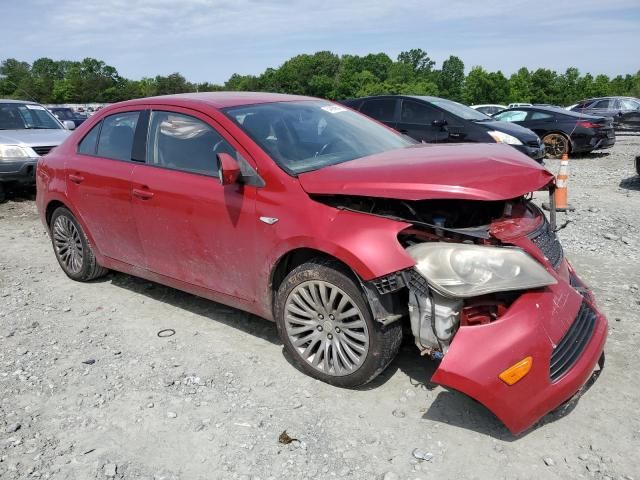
(72, 248)
(327, 328)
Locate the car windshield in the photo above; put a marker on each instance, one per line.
(21, 116)
(457, 109)
(307, 135)
(63, 113)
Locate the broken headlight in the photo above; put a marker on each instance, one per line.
(460, 270)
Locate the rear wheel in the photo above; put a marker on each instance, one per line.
(326, 326)
(2, 194)
(556, 145)
(72, 248)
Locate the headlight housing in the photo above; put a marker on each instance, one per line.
(10, 153)
(461, 270)
(501, 137)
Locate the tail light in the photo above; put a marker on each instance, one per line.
(587, 124)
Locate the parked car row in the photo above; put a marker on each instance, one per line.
(342, 231)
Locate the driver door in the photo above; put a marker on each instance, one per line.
(192, 228)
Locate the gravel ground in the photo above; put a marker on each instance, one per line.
(88, 390)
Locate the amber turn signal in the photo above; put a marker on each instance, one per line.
(517, 371)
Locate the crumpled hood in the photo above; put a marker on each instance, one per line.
(34, 137)
(471, 171)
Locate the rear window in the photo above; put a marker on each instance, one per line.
(116, 135)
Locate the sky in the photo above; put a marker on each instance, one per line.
(208, 40)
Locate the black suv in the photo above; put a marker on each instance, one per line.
(437, 120)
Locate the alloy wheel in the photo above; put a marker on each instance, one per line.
(68, 244)
(326, 328)
(555, 145)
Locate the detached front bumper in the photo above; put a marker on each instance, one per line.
(538, 324)
(19, 172)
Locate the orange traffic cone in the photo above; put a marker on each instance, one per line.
(562, 192)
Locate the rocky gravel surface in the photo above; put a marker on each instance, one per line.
(88, 390)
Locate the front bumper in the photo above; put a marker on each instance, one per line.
(537, 153)
(533, 326)
(19, 172)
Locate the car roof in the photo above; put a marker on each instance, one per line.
(13, 100)
(217, 99)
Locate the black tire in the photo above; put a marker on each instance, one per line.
(89, 268)
(2, 194)
(383, 341)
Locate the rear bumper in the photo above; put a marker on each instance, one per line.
(537, 153)
(19, 172)
(533, 326)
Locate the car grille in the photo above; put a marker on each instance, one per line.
(566, 354)
(547, 241)
(389, 283)
(43, 150)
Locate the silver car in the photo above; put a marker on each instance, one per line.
(27, 131)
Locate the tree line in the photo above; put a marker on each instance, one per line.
(322, 74)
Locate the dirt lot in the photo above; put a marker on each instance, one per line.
(88, 390)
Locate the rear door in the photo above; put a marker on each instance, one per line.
(99, 185)
(630, 113)
(192, 228)
(382, 109)
(422, 122)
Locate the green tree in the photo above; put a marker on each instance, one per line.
(451, 78)
(418, 59)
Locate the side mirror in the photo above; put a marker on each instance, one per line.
(69, 125)
(439, 123)
(228, 169)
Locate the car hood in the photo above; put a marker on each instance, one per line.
(521, 133)
(34, 137)
(422, 172)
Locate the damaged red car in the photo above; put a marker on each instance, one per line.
(342, 231)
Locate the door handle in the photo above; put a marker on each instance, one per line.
(404, 131)
(75, 178)
(142, 194)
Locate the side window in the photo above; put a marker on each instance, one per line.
(182, 142)
(627, 104)
(601, 104)
(382, 109)
(512, 116)
(116, 136)
(90, 141)
(540, 116)
(414, 112)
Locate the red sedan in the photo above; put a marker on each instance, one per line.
(340, 230)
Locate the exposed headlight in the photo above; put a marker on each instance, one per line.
(10, 153)
(501, 137)
(460, 270)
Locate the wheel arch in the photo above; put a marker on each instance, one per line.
(52, 206)
(296, 257)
